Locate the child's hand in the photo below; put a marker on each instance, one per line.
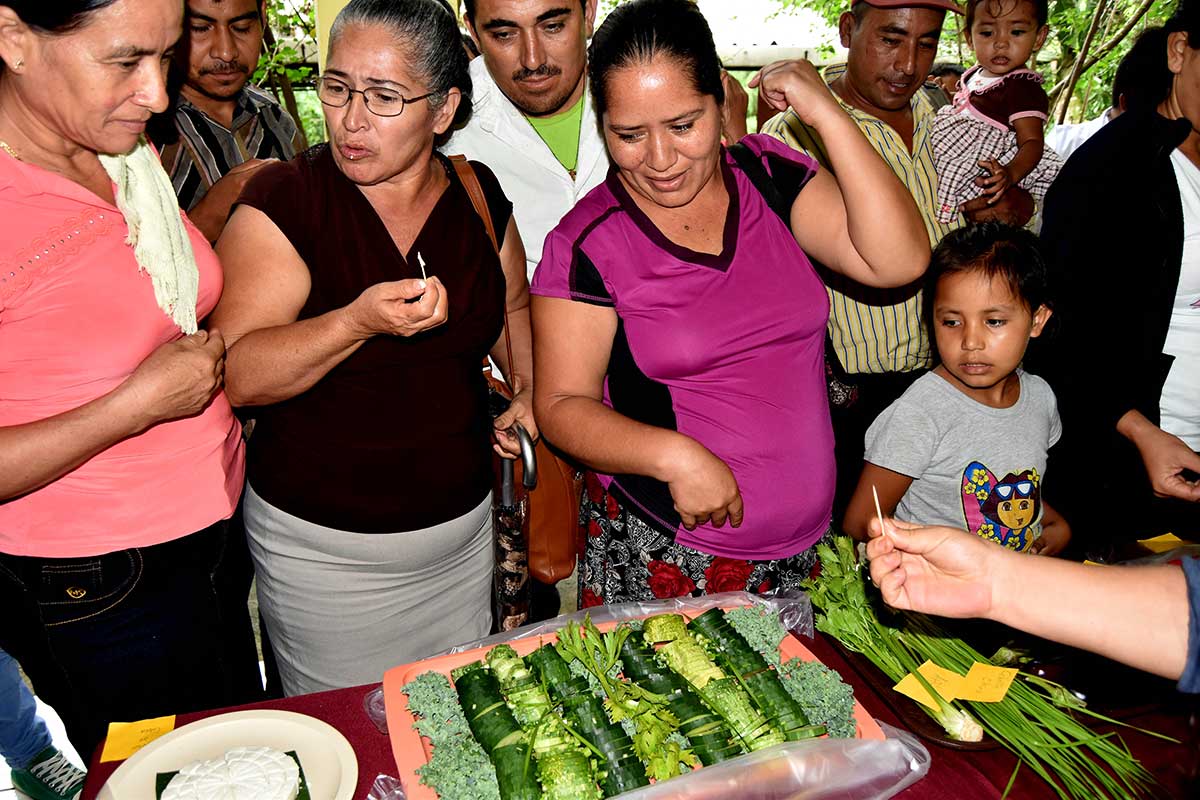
(998, 182)
(1052, 541)
(1014, 207)
(1056, 533)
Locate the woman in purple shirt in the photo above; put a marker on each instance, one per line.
(680, 326)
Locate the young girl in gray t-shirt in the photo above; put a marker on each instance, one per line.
(966, 444)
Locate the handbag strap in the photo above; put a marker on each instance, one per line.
(767, 186)
(470, 182)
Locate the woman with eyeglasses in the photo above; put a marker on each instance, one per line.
(362, 293)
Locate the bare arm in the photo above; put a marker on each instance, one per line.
(212, 212)
(863, 224)
(518, 375)
(1031, 144)
(272, 356)
(861, 510)
(733, 112)
(1165, 456)
(1135, 615)
(177, 380)
(574, 343)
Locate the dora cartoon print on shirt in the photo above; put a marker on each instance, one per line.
(1008, 510)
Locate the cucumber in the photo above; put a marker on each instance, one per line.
(494, 727)
(708, 736)
(563, 767)
(664, 628)
(487, 715)
(566, 774)
(726, 697)
(757, 677)
(554, 673)
(689, 660)
(515, 772)
(619, 770)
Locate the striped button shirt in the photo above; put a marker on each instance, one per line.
(206, 150)
(874, 330)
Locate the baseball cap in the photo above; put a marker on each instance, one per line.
(948, 5)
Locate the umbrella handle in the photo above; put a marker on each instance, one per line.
(528, 455)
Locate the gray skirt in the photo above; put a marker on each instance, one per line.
(342, 608)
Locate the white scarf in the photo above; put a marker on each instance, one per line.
(156, 231)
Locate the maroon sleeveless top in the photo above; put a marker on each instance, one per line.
(397, 436)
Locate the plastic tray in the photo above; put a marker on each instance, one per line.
(412, 751)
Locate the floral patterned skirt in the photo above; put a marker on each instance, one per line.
(626, 560)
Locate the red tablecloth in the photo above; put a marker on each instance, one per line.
(953, 774)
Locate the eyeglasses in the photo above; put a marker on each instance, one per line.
(379, 101)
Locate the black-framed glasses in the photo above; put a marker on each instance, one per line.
(380, 101)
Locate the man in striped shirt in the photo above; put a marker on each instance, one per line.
(224, 128)
(878, 342)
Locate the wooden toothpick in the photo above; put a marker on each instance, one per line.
(878, 510)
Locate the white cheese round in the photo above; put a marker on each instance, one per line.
(244, 773)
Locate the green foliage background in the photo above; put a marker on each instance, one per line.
(293, 21)
(1069, 23)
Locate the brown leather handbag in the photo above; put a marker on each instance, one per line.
(554, 533)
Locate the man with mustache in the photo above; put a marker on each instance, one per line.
(219, 131)
(224, 128)
(532, 120)
(878, 343)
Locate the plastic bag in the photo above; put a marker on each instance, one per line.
(1185, 550)
(373, 704)
(386, 787)
(819, 769)
(794, 609)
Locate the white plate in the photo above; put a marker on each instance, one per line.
(329, 764)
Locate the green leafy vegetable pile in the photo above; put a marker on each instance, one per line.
(598, 714)
(458, 768)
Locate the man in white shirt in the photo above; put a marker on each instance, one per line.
(532, 121)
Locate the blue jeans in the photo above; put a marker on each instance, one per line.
(132, 634)
(22, 734)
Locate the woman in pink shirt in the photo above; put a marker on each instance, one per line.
(120, 459)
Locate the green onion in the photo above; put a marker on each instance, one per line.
(1034, 721)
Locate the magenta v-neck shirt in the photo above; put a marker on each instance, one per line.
(727, 349)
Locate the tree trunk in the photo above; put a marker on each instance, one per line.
(1077, 70)
(1108, 46)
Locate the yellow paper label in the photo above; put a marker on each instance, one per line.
(1092, 564)
(909, 686)
(126, 738)
(946, 683)
(986, 683)
(1161, 544)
